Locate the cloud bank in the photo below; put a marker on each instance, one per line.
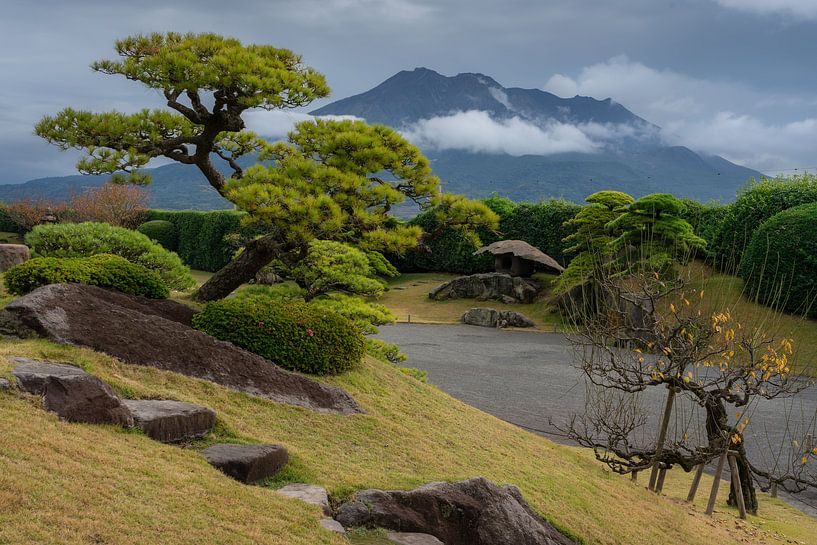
(798, 8)
(476, 131)
(770, 132)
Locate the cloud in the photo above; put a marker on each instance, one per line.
(797, 8)
(277, 123)
(769, 132)
(475, 131)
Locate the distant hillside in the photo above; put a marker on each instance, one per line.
(633, 160)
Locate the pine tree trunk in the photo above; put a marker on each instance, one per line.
(256, 255)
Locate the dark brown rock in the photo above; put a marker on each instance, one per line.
(247, 463)
(489, 317)
(13, 254)
(472, 512)
(32, 374)
(171, 421)
(149, 332)
(496, 286)
(85, 398)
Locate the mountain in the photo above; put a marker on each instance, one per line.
(174, 187)
(629, 154)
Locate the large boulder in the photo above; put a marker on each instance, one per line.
(157, 333)
(495, 286)
(171, 421)
(247, 463)
(13, 254)
(85, 398)
(472, 512)
(490, 317)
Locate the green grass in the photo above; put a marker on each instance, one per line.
(69, 484)
(10, 238)
(407, 298)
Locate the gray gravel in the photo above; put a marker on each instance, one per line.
(528, 379)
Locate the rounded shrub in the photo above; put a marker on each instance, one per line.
(103, 270)
(88, 239)
(780, 262)
(292, 334)
(161, 231)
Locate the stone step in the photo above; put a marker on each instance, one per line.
(85, 398)
(309, 493)
(32, 374)
(412, 538)
(247, 463)
(171, 421)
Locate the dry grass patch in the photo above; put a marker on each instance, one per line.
(67, 483)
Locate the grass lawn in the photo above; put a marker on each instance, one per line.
(69, 484)
(10, 238)
(407, 298)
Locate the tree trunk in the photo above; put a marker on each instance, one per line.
(256, 255)
(716, 423)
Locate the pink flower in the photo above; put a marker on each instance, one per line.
(310, 333)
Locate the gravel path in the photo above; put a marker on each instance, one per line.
(528, 379)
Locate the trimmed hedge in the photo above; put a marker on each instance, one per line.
(541, 224)
(754, 205)
(780, 263)
(705, 219)
(201, 241)
(292, 334)
(88, 239)
(7, 225)
(161, 231)
(103, 270)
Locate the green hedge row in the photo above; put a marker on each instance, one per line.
(201, 235)
(540, 224)
(6, 223)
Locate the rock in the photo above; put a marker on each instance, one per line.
(413, 538)
(13, 254)
(157, 333)
(32, 374)
(472, 512)
(247, 463)
(309, 493)
(489, 317)
(496, 286)
(4, 384)
(332, 525)
(85, 398)
(171, 421)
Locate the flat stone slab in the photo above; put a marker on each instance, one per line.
(332, 525)
(32, 374)
(412, 538)
(309, 493)
(247, 463)
(171, 421)
(85, 398)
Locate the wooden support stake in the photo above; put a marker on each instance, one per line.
(733, 469)
(774, 489)
(659, 486)
(634, 476)
(662, 436)
(716, 481)
(696, 480)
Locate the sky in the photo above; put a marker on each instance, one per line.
(730, 77)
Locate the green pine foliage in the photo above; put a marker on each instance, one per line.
(88, 239)
(754, 205)
(161, 231)
(291, 334)
(103, 270)
(366, 315)
(779, 265)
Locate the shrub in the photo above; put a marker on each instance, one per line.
(161, 231)
(123, 205)
(103, 270)
(27, 213)
(204, 238)
(705, 219)
(292, 334)
(780, 263)
(87, 239)
(754, 205)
